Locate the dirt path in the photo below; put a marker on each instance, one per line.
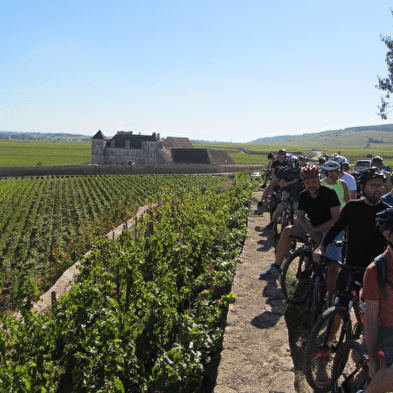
(256, 355)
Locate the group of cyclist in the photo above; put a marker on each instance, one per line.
(327, 210)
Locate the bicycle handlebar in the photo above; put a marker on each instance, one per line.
(304, 239)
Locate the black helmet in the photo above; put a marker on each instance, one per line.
(384, 219)
(293, 162)
(321, 160)
(371, 173)
(377, 160)
(270, 155)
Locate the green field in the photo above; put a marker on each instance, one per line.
(352, 144)
(47, 153)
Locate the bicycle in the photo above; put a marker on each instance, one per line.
(351, 367)
(287, 218)
(318, 300)
(307, 279)
(296, 276)
(332, 328)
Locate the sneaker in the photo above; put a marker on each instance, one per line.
(273, 271)
(269, 226)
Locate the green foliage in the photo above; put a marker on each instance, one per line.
(386, 84)
(46, 224)
(147, 312)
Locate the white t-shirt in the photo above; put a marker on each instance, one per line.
(350, 180)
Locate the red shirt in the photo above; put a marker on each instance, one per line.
(371, 291)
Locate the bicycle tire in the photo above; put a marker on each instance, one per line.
(295, 279)
(350, 368)
(322, 346)
(317, 303)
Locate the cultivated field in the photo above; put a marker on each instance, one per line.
(47, 223)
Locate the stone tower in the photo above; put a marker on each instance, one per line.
(97, 148)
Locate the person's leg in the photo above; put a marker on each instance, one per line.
(276, 216)
(382, 382)
(283, 248)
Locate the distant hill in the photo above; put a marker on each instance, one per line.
(379, 134)
(379, 129)
(38, 136)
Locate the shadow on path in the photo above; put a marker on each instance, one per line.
(269, 318)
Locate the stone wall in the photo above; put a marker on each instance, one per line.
(85, 170)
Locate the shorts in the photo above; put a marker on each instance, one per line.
(386, 339)
(331, 251)
(287, 201)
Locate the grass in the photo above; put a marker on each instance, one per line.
(47, 153)
(33, 153)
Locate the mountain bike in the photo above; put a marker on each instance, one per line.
(296, 278)
(332, 328)
(351, 367)
(318, 296)
(304, 279)
(287, 218)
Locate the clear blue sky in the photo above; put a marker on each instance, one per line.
(214, 70)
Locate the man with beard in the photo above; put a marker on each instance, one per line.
(365, 242)
(322, 206)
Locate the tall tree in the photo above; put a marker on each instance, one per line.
(386, 84)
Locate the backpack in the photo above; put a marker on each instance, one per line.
(382, 275)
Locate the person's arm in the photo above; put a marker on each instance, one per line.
(301, 220)
(371, 333)
(285, 183)
(335, 212)
(347, 195)
(336, 228)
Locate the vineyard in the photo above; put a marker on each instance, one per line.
(146, 313)
(47, 223)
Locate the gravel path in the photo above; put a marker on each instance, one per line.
(256, 355)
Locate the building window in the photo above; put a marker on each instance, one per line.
(127, 144)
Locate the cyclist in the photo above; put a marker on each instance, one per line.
(346, 176)
(270, 157)
(332, 171)
(378, 316)
(322, 206)
(365, 242)
(290, 187)
(276, 165)
(377, 162)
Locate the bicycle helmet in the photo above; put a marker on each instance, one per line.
(281, 151)
(371, 173)
(310, 172)
(377, 160)
(270, 155)
(341, 160)
(384, 220)
(293, 162)
(331, 166)
(321, 160)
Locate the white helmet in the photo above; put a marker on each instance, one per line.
(341, 160)
(331, 166)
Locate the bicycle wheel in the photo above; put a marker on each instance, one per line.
(295, 279)
(318, 300)
(332, 328)
(350, 368)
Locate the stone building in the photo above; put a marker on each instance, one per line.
(127, 148)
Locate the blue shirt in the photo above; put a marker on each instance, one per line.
(388, 198)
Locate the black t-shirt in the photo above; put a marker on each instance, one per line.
(365, 242)
(318, 208)
(294, 189)
(277, 165)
